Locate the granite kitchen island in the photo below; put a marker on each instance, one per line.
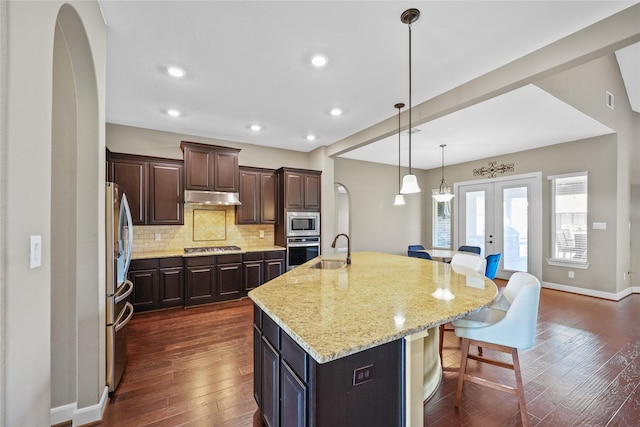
(356, 345)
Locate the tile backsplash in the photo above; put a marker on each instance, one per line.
(203, 226)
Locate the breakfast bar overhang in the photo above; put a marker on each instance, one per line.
(362, 337)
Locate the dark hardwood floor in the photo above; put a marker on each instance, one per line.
(194, 367)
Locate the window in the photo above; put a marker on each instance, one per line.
(441, 231)
(569, 219)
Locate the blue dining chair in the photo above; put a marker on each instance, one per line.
(413, 252)
(493, 261)
(474, 249)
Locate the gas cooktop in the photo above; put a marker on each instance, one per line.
(211, 249)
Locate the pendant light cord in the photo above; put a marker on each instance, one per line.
(409, 25)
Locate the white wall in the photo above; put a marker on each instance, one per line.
(27, 63)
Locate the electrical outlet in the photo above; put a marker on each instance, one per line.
(262, 234)
(158, 237)
(362, 375)
(571, 275)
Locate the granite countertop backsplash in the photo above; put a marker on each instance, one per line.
(179, 252)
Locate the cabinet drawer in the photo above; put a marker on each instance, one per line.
(199, 260)
(274, 255)
(294, 356)
(271, 331)
(171, 262)
(229, 259)
(253, 256)
(144, 264)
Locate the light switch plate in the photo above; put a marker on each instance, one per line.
(35, 251)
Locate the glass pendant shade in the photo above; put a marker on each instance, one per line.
(399, 200)
(409, 184)
(442, 196)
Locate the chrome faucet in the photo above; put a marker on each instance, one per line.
(333, 245)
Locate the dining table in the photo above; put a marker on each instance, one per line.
(444, 255)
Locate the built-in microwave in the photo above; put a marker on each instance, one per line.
(303, 224)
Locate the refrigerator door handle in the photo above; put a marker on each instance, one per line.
(120, 323)
(122, 293)
(127, 211)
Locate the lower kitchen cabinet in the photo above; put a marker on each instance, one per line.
(229, 277)
(157, 283)
(201, 280)
(260, 267)
(292, 389)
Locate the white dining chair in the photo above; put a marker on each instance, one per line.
(461, 263)
(469, 261)
(508, 325)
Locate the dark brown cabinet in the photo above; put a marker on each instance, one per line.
(229, 277)
(260, 267)
(258, 195)
(210, 167)
(292, 389)
(201, 280)
(153, 186)
(157, 283)
(299, 189)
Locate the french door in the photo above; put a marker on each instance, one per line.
(503, 215)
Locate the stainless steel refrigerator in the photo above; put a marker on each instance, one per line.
(119, 241)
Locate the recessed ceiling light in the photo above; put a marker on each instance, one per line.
(311, 137)
(176, 72)
(174, 113)
(336, 112)
(319, 61)
(255, 128)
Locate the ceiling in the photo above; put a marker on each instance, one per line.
(248, 62)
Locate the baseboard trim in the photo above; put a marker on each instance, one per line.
(62, 414)
(590, 292)
(83, 416)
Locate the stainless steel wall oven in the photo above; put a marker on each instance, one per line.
(301, 250)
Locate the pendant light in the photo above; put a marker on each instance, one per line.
(399, 197)
(444, 193)
(409, 182)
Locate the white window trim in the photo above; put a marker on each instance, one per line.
(557, 261)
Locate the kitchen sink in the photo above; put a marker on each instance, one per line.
(329, 264)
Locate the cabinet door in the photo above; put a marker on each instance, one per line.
(293, 406)
(229, 278)
(273, 268)
(294, 187)
(268, 198)
(171, 287)
(225, 171)
(132, 176)
(257, 359)
(312, 192)
(253, 274)
(165, 194)
(270, 370)
(198, 166)
(145, 289)
(248, 212)
(200, 285)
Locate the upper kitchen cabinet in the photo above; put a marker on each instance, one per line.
(210, 167)
(258, 190)
(154, 187)
(299, 189)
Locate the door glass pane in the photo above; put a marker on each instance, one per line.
(475, 214)
(515, 228)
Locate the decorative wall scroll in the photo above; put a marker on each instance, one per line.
(492, 170)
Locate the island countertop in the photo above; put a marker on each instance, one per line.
(377, 299)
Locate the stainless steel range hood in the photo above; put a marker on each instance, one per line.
(211, 198)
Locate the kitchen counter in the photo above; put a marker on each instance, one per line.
(373, 322)
(180, 252)
(377, 299)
